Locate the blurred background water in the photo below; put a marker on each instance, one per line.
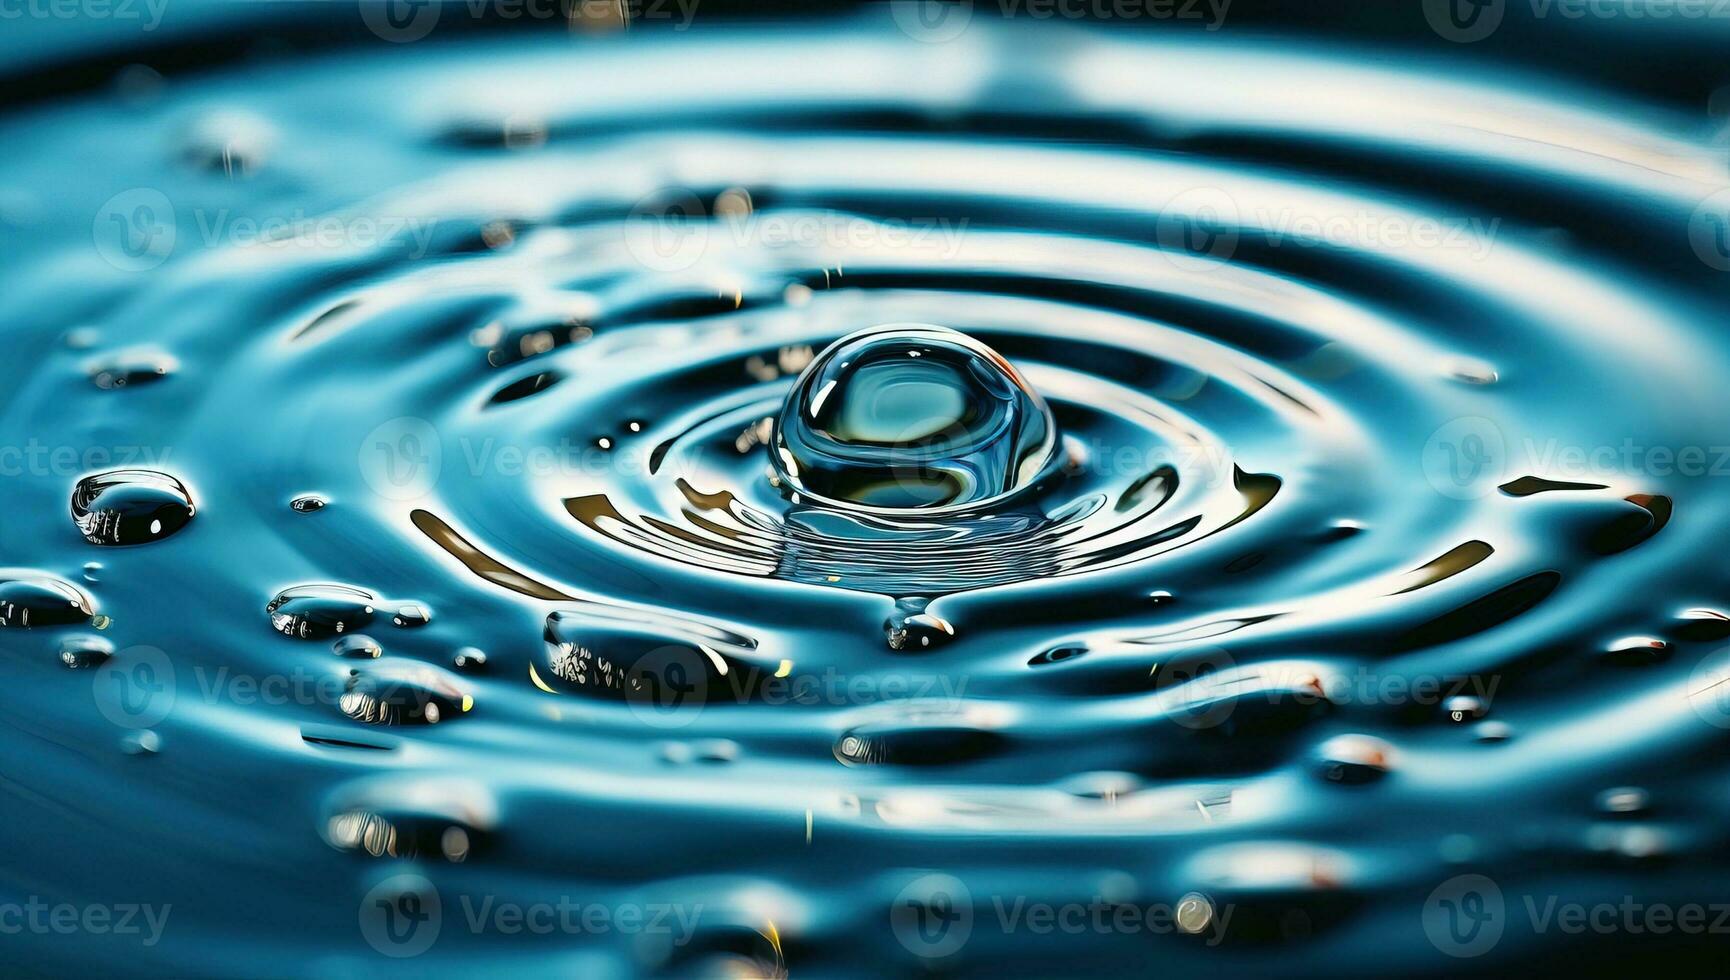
(441, 538)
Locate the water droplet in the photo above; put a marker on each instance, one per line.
(229, 142)
(141, 742)
(1635, 651)
(1493, 731)
(126, 507)
(1354, 758)
(403, 693)
(1623, 800)
(92, 571)
(918, 738)
(470, 660)
(1464, 708)
(910, 628)
(129, 369)
(30, 599)
(321, 611)
(1468, 371)
(316, 612)
(911, 416)
(358, 646)
(306, 503)
(80, 652)
(408, 818)
(1703, 624)
(410, 615)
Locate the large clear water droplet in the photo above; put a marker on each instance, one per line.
(911, 416)
(123, 507)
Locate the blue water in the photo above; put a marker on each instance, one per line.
(1271, 524)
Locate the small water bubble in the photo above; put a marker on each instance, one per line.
(92, 571)
(316, 612)
(470, 660)
(1464, 708)
(1703, 624)
(910, 628)
(1493, 731)
(29, 599)
(228, 142)
(911, 416)
(1637, 650)
(1468, 371)
(129, 369)
(405, 693)
(141, 741)
(1623, 800)
(306, 503)
(127, 507)
(81, 652)
(1354, 758)
(358, 646)
(410, 615)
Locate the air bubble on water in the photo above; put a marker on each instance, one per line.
(1354, 758)
(1637, 650)
(911, 629)
(92, 571)
(1703, 624)
(1464, 708)
(399, 818)
(306, 503)
(1472, 372)
(130, 369)
(403, 693)
(127, 507)
(1493, 731)
(470, 660)
(80, 652)
(230, 142)
(1058, 654)
(320, 611)
(1107, 787)
(910, 417)
(410, 615)
(358, 646)
(30, 599)
(1623, 800)
(1160, 597)
(141, 741)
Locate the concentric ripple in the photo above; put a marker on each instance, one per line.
(1233, 540)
